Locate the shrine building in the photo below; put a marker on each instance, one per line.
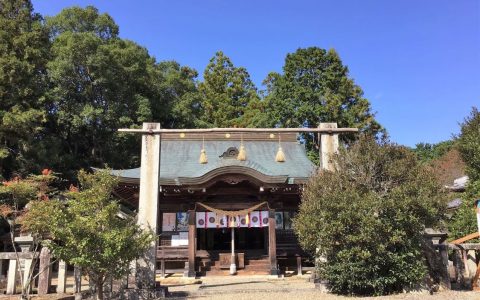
(222, 193)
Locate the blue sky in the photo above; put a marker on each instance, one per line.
(418, 61)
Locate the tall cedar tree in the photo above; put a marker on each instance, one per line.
(227, 93)
(316, 87)
(365, 221)
(24, 47)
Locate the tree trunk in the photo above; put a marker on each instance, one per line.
(99, 290)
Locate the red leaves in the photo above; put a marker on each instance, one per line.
(6, 210)
(15, 179)
(46, 172)
(73, 189)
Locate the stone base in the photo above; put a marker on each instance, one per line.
(275, 272)
(321, 285)
(190, 274)
(145, 294)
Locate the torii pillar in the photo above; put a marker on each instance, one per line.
(328, 147)
(148, 203)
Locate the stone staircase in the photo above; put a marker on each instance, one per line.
(253, 266)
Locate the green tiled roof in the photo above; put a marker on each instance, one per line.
(179, 162)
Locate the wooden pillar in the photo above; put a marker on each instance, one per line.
(272, 243)
(12, 277)
(62, 277)
(148, 203)
(191, 243)
(328, 147)
(45, 276)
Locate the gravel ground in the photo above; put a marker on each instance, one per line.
(267, 288)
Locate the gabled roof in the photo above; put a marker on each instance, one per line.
(180, 165)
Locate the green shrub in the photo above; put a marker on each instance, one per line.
(365, 222)
(463, 221)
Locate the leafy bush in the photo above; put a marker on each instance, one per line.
(365, 221)
(87, 230)
(463, 220)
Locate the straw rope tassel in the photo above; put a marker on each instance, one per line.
(280, 157)
(242, 153)
(203, 155)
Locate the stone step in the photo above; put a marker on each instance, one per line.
(257, 262)
(242, 272)
(256, 269)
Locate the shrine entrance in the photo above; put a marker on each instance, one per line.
(202, 200)
(219, 239)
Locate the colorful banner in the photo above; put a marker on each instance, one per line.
(168, 221)
(182, 221)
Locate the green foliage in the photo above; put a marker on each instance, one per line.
(315, 87)
(101, 83)
(227, 93)
(463, 221)
(427, 152)
(15, 197)
(469, 144)
(23, 54)
(87, 230)
(77, 19)
(67, 85)
(365, 221)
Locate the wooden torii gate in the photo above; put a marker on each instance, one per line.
(462, 240)
(150, 173)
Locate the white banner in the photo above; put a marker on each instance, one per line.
(244, 221)
(201, 219)
(259, 219)
(255, 219)
(211, 220)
